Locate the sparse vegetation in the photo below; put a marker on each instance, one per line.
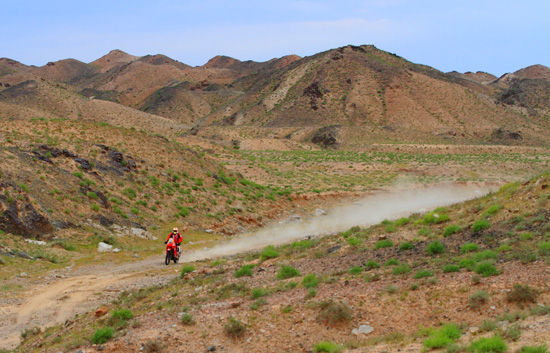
(329, 347)
(478, 299)
(486, 269)
(286, 271)
(469, 247)
(332, 312)
(187, 319)
(102, 335)
(234, 328)
(435, 247)
(443, 336)
(386, 243)
(450, 230)
(493, 344)
(310, 281)
(522, 294)
(186, 269)
(244, 270)
(480, 225)
(269, 252)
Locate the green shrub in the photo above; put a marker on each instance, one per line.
(488, 325)
(302, 244)
(334, 312)
(406, 246)
(544, 248)
(386, 243)
(186, 269)
(477, 299)
(540, 310)
(187, 319)
(401, 269)
(534, 349)
(79, 175)
(434, 218)
(286, 271)
(493, 344)
(269, 252)
(258, 293)
(442, 337)
(402, 221)
(122, 314)
(311, 293)
(451, 330)
(492, 210)
(468, 264)
(522, 294)
(102, 335)
(371, 264)
(245, 270)
(480, 225)
(450, 230)
(234, 328)
(484, 255)
(504, 248)
(94, 207)
(469, 247)
(329, 347)
(435, 247)
(310, 281)
(130, 193)
(355, 270)
(353, 241)
(486, 269)
(257, 303)
(392, 262)
(512, 332)
(423, 274)
(451, 268)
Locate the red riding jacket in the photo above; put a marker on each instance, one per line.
(177, 237)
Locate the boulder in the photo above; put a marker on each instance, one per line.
(362, 330)
(104, 247)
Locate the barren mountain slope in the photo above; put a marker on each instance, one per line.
(60, 101)
(366, 94)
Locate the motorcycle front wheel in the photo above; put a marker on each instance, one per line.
(167, 259)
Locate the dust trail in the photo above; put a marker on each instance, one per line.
(368, 211)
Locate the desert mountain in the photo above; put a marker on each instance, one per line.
(348, 96)
(356, 94)
(113, 58)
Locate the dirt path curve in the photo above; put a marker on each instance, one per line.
(73, 292)
(85, 288)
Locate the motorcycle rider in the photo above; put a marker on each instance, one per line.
(175, 234)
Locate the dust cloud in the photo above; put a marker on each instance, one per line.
(368, 211)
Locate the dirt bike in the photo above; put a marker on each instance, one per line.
(171, 252)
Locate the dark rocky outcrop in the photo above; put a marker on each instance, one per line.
(503, 134)
(326, 136)
(20, 217)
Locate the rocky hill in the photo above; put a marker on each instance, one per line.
(346, 97)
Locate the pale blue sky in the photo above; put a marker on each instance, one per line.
(493, 36)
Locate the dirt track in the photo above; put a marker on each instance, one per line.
(65, 293)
